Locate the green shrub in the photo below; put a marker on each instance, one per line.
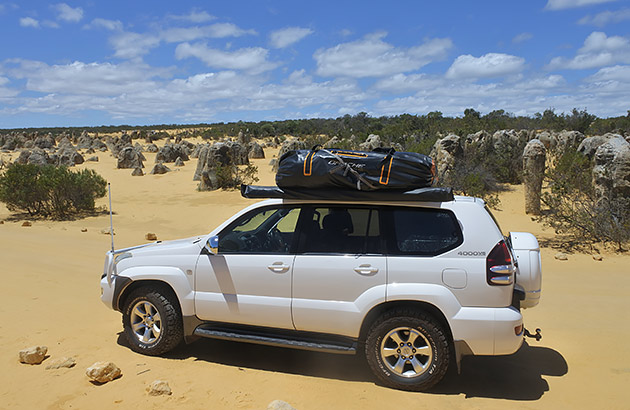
(50, 191)
(232, 176)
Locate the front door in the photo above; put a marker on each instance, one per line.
(249, 280)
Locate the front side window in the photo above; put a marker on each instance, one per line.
(266, 230)
(346, 230)
(424, 231)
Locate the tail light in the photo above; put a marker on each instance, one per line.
(499, 266)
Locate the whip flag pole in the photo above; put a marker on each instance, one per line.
(111, 222)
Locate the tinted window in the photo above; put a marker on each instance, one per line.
(343, 230)
(421, 231)
(267, 230)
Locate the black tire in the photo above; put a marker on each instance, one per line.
(152, 321)
(420, 362)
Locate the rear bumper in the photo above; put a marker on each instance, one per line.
(488, 331)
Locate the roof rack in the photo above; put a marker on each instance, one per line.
(430, 194)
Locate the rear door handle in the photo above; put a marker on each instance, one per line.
(278, 267)
(366, 269)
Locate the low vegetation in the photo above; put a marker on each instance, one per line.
(50, 191)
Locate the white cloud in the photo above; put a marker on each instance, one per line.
(615, 73)
(219, 30)
(569, 4)
(403, 84)
(132, 45)
(195, 16)
(372, 57)
(112, 25)
(522, 37)
(598, 50)
(488, 65)
(29, 22)
(95, 79)
(67, 13)
(606, 17)
(252, 59)
(287, 36)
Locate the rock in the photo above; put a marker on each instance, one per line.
(611, 173)
(107, 231)
(255, 151)
(137, 172)
(561, 256)
(280, 405)
(179, 162)
(33, 355)
(150, 236)
(103, 372)
(332, 143)
(170, 153)
(372, 141)
(27, 223)
(446, 152)
(93, 158)
(159, 168)
(289, 145)
(209, 181)
(152, 148)
(159, 388)
(243, 138)
(220, 154)
(598, 257)
(534, 157)
(128, 157)
(68, 156)
(83, 229)
(589, 145)
(62, 362)
(568, 140)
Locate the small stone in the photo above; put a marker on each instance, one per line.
(33, 355)
(598, 257)
(137, 172)
(561, 256)
(1, 222)
(150, 236)
(66, 362)
(103, 372)
(27, 223)
(280, 405)
(107, 231)
(83, 229)
(159, 169)
(92, 159)
(179, 162)
(159, 388)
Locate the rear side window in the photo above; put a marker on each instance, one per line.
(424, 231)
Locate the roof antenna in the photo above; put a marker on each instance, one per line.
(111, 222)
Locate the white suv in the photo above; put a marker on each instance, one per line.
(413, 285)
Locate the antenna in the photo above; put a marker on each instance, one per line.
(111, 222)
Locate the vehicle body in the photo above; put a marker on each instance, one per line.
(413, 284)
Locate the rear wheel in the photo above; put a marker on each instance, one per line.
(407, 350)
(152, 321)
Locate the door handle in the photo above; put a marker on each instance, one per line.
(366, 269)
(278, 267)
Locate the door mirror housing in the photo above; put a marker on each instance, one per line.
(212, 245)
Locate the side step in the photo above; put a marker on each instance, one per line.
(293, 341)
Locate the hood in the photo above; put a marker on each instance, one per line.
(178, 246)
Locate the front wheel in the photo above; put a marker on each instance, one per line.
(152, 321)
(407, 350)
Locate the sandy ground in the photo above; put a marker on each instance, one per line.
(50, 296)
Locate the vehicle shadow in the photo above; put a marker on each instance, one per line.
(515, 377)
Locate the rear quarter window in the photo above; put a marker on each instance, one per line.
(424, 231)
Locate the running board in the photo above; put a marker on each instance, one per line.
(277, 340)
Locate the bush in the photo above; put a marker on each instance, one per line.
(50, 191)
(574, 208)
(232, 176)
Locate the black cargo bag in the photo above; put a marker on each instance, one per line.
(381, 169)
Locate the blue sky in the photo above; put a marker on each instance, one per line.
(88, 63)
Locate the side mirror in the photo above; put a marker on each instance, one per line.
(212, 245)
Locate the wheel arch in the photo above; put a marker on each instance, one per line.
(132, 285)
(385, 307)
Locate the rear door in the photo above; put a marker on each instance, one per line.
(339, 270)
